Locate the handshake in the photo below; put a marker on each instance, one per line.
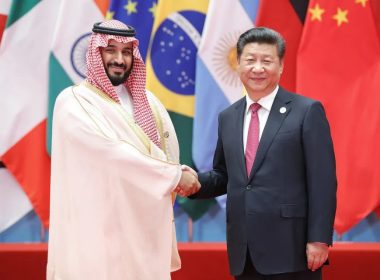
(188, 184)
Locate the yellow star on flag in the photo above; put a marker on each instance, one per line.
(109, 15)
(363, 2)
(131, 7)
(341, 16)
(316, 13)
(153, 10)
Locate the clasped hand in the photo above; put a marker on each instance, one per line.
(188, 184)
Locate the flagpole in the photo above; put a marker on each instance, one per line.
(42, 233)
(339, 237)
(190, 229)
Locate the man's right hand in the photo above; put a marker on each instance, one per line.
(188, 184)
(317, 254)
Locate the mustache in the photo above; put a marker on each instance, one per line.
(122, 65)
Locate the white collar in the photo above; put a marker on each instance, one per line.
(266, 102)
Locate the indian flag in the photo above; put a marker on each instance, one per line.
(67, 59)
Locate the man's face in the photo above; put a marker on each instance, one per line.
(259, 69)
(117, 60)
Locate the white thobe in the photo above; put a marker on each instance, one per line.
(111, 213)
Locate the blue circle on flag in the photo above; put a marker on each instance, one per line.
(174, 50)
(78, 54)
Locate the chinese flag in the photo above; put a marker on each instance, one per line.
(286, 17)
(339, 64)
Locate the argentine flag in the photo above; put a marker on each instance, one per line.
(217, 83)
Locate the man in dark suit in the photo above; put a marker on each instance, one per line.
(275, 160)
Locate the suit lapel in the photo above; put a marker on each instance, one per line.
(274, 122)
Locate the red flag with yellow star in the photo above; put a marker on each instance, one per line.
(339, 64)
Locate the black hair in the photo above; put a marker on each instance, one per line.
(261, 35)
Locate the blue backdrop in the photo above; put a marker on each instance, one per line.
(210, 228)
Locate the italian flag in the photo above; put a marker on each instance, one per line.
(40, 54)
(13, 201)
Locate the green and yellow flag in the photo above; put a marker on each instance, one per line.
(171, 60)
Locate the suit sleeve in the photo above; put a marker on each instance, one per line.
(321, 175)
(214, 182)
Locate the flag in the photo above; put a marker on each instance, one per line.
(14, 204)
(339, 64)
(26, 57)
(217, 82)
(67, 58)
(177, 32)
(4, 11)
(286, 17)
(375, 5)
(23, 78)
(137, 13)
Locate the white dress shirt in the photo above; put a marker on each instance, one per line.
(266, 104)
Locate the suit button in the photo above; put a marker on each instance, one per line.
(248, 187)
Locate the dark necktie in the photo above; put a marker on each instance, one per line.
(253, 137)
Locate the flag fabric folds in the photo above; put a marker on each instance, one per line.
(175, 39)
(24, 98)
(138, 13)
(26, 81)
(339, 64)
(14, 204)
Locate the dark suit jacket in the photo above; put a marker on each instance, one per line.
(289, 198)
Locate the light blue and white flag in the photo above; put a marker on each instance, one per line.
(217, 83)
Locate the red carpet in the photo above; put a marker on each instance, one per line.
(200, 261)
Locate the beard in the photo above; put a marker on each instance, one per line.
(118, 79)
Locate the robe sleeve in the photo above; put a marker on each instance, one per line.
(82, 140)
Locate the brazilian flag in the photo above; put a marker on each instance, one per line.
(171, 60)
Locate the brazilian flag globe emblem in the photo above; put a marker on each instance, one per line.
(177, 32)
(177, 41)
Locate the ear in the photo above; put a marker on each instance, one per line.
(281, 66)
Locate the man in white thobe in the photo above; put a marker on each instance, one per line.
(115, 168)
